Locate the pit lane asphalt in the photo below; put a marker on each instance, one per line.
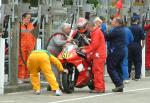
(134, 92)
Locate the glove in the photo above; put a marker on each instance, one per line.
(66, 71)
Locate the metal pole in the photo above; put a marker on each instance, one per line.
(9, 49)
(143, 63)
(50, 3)
(13, 11)
(14, 50)
(43, 32)
(78, 8)
(2, 58)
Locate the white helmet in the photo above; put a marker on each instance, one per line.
(81, 22)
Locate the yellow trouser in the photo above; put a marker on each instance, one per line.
(40, 61)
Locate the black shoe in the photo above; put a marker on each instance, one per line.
(118, 89)
(136, 78)
(49, 88)
(96, 91)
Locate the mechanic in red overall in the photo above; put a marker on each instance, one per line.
(97, 51)
(147, 61)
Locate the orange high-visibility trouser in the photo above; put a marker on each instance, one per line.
(22, 69)
(40, 61)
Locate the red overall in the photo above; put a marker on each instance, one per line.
(147, 61)
(97, 49)
(27, 45)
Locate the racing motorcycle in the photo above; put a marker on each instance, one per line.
(79, 68)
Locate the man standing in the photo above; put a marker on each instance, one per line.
(97, 51)
(116, 53)
(124, 64)
(135, 48)
(27, 44)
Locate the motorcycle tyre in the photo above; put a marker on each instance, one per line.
(65, 85)
(91, 85)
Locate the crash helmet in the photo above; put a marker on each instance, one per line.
(81, 24)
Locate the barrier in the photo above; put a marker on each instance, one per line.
(143, 63)
(2, 53)
(39, 44)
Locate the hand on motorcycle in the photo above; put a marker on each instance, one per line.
(83, 50)
(69, 39)
(65, 71)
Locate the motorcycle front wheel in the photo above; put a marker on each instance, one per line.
(91, 85)
(68, 86)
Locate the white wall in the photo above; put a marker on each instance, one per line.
(0, 12)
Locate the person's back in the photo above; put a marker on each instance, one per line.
(137, 32)
(41, 60)
(135, 48)
(117, 38)
(58, 40)
(56, 43)
(102, 44)
(129, 36)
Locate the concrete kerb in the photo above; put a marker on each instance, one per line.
(21, 87)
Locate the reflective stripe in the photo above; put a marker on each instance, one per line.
(26, 31)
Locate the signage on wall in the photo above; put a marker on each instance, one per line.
(138, 3)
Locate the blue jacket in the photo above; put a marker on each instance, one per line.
(104, 28)
(128, 35)
(116, 38)
(138, 33)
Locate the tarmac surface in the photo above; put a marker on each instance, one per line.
(134, 92)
